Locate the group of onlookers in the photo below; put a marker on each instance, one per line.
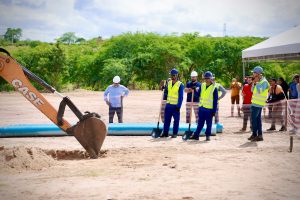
(278, 91)
(257, 93)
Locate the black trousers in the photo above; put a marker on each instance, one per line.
(112, 111)
(247, 114)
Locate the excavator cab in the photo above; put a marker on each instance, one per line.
(90, 130)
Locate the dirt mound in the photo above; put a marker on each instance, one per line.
(71, 155)
(21, 158)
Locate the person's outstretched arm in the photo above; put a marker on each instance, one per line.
(223, 92)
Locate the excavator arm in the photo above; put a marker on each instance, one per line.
(90, 130)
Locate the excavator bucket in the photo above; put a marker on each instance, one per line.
(90, 133)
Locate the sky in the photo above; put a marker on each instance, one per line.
(46, 20)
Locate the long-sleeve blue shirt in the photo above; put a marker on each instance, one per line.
(180, 94)
(113, 95)
(223, 91)
(293, 90)
(191, 84)
(215, 101)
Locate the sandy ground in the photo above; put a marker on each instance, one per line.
(228, 167)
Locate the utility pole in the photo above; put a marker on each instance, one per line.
(224, 30)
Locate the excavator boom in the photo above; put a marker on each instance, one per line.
(90, 130)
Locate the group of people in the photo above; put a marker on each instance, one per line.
(279, 90)
(203, 99)
(208, 94)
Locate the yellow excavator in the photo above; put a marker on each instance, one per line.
(90, 130)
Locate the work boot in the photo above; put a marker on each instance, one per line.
(164, 135)
(272, 128)
(207, 138)
(282, 128)
(252, 137)
(174, 136)
(194, 137)
(258, 138)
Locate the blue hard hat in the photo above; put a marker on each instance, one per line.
(258, 70)
(174, 71)
(208, 74)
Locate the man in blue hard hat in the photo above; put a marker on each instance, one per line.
(260, 89)
(207, 107)
(173, 94)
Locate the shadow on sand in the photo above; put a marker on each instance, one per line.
(248, 144)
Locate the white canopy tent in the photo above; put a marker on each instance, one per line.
(282, 47)
(285, 46)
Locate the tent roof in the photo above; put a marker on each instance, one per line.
(285, 46)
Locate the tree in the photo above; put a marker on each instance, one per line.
(80, 40)
(13, 34)
(68, 38)
(141, 59)
(46, 61)
(113, 67)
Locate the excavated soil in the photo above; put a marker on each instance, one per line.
(24, 158)
(20, 158)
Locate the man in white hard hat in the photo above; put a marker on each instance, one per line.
(192, 87)
(113, 96)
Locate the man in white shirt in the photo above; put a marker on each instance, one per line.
(113, 96)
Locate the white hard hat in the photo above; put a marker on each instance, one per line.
(194, 73)
(117, 79)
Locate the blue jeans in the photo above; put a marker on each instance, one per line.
(171, 111)
(256, 120)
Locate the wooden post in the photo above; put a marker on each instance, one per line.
(286, 114)
(291, 144)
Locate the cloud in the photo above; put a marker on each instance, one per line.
(47, 20)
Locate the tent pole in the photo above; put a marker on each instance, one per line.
(243, 71)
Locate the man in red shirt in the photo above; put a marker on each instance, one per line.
(247, 96)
